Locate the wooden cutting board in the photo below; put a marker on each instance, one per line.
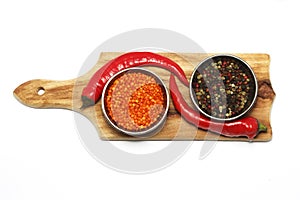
(67, 95)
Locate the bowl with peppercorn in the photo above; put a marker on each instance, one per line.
(135, 101)
(223, 87)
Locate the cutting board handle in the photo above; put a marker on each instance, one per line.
(40, 93)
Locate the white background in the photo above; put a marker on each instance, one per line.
(41, 155)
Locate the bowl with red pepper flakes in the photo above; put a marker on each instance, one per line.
(136, 101)
(223, 87)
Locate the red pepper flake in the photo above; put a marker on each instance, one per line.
(135, 101)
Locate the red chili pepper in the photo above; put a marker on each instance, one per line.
(247, 126)
(92, 92)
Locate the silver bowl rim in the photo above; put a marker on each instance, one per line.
(255, 92)
(153, 128)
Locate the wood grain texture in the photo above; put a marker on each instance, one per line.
(67, 95)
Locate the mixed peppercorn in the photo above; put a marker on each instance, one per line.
(135, 101)
(223, 87)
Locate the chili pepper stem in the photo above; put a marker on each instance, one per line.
(261, 127)
(86, 102)
(83, 106)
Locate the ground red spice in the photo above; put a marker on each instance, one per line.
(135, 101)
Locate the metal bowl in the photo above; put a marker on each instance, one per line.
(203, 67)
(157, 125)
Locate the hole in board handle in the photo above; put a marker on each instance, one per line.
(40, 91)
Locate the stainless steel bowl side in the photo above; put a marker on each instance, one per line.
(154, 128)
(250, 106)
